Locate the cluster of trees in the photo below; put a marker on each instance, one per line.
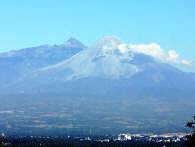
(2, 141)
(191, 137)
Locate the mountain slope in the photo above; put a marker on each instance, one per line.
(15, 64)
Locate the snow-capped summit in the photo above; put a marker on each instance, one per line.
(107, 45)
(110, 42)
(102, 59)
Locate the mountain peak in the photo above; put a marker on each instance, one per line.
(74, 43)
(110, 38)
(109, 42)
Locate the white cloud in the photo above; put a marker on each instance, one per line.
(123, 48)
(173, 56)
(151, 49)
(186, 62)
(155, 51)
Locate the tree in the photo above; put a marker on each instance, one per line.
(191, 137)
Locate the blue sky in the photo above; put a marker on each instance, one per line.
(169, 23)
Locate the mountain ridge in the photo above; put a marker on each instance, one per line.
(103, 62)
(17, 63)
